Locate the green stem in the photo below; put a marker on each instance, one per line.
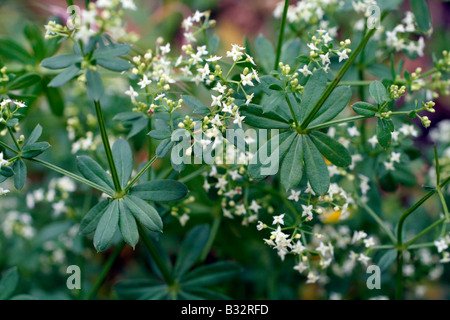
(72, 176)
(338, 77)
(212, 236)
(106, 268)
(140, 173)
(107, 147)
(281, 35)
(333, 122)
(193, 175)
(292, 110)
(354, 83)
(399, 276)
(424, 231)
(378, 221)
(155, 255)
(4, 145)
(14, 139)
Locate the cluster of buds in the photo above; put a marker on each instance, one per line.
(444, 63)
(188, 123)
(175, 210)
(3, 76)
(425, 121)
(53, 29)
(386, 114)
(396, 92)
(292, 79)
(429, 106)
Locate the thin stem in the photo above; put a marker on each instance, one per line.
(281, 35)
(338, 77)
(107, 147)
(140, 173)
(338, 121)
(155, 255)
(14, 138)
(354, 83)
(72, 175)
(292, 110)
(212, 237)
(193, 175)
(399, 276)
(4, 145)
(106, 268)
(424, 231)
(378, 221)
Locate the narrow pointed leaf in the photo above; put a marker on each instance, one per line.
(365, 109)
(336, 102)
(292, 167)
(8, 283)
(378, 92)
(123, 158)
(196, 105)
(107, 226)
(114, 64)
(91, 219)
(20, 176)
(312, 91)
(162, 190)
(64, 76)
(144, 213)
(94, 84)
(127, 225)
(315, 167)
(34, 136)
(383, 133)
(255, 117)
(24, 81)
(61, 61)
(92, 171)
(332, 150)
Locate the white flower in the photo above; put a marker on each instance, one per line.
(312, 278)
(220, 88)
(247, 80)
(183, 219)
(325, 58)
(395, 157)
(238, 119)
(187, 23)
(133, 94)
(342, 55)
(260, 226)
(305, 71)
(3, 191)
(389, 165)
(307, 211)
(298, 248)
(165, 49)
(216, 101)
(369, 242)
(144, 82)
(197, 16)
(363, 259)
(235, 52)
(312, 47)
(294, 195)
(353, 131)
(301, 266)
(322, 249)
(254, 206)
(250, 59)
(84, 34)
(373, 141)
(249, 99)
(213, 59)
(441, 245)
(279, 219)
(255, 75)
(235, 175)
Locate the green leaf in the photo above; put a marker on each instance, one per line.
(191, 249)
(140, 289)
(335, 103)
(160, 190)
(378, 92)
(61, 61)
(160, 134)
(20, 176)
(12, 122)
(113, 50)
(92, 171)
(203, 294)
(35, 149)
(365, 109)
(6, 171)
(91, 219)
(24, 81)
(312, 91)
(256, 166)
(211, 274)
(34, 136)
(94, 84)
(292, 167)
(290, 51)
(254, 116)
(34, 36)
(383, 133)
(64, 76)
(144, 213)
(114, 64)
(315, 167)
(273, 101)
(123, 159)
(107, 226)
(387, 259)
(265, 53)
(11, 50)
(422, 14)
(127, 225)
(332, 150)
(9, 283)
(196, 105)
(55, 100)
(163, 148)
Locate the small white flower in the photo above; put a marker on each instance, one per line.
(294, 195)
(305, 71)
(183, 219)
(279, 219)
(144, 82)
(254, 206)
(441, 245)
(395, 157)
(325, 58)
(165, 49)
(3, 191)
(133, 94)
(247, 80)
(307, 211)
(342, 55)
